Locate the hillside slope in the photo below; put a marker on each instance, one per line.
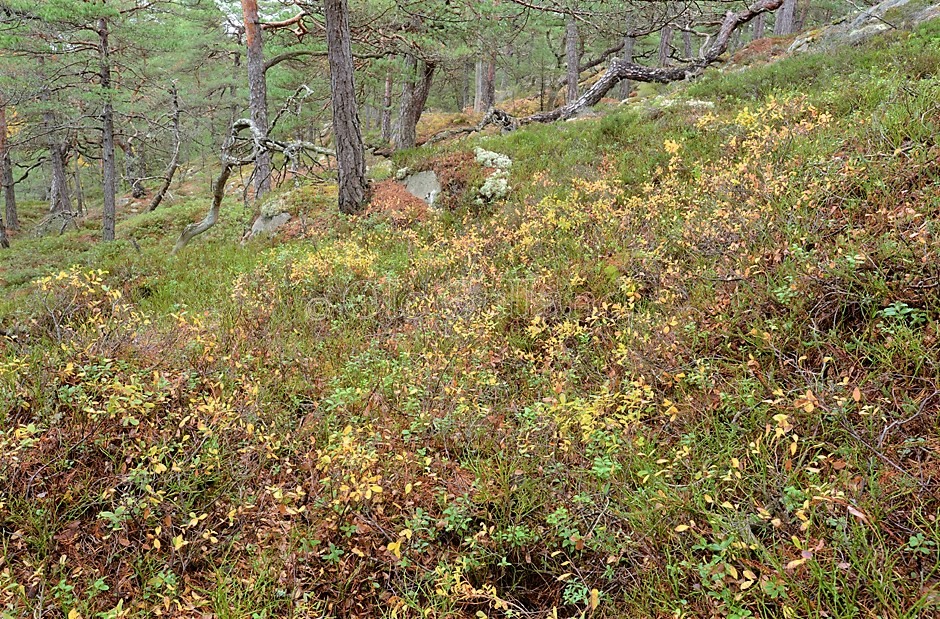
(688, 368)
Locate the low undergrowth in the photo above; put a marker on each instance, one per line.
(687, 369)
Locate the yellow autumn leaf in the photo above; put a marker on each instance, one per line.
(595, 598)
(178, 542)
(395, 548)
(681, 528)
(74, 614)
(795, 563)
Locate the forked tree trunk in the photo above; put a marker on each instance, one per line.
(572, 59)
(414, 95)
(6, 175)
(257, 92)
(107, 138)
(347, 137)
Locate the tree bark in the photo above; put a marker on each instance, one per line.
(414, 95)
(784, 18)
(79, 190)
(571, 58)
(174, 159)
(629, 45)
(478, 86)
(6, 175)
(687, 43)
(133, 168)
(387, 107)
(489, 83)
(665, 45)
(257, 92)
(218, 193)
(759, 22)
(800, 20)
(107, 137)
(347, 137)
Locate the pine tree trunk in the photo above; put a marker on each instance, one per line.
(414, 95)
(687, 43)
(257, 92)
(489, 83)
(107, 137)
(59, 200)
(350, 154)
(801, 17)
(572, 58)
(79, 191)
(387, 107)
(133, 168)
(665, 45)
(467, 72)
(6, 175)
(478, 90)
(758, 27)
(785, 18)
(407, 131)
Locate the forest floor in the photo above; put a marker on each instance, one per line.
(688, 368)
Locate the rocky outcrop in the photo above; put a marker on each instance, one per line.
(855, 29)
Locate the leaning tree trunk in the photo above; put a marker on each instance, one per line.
(571, 58)
(6, 175)
(347, 138)
(257, 92)
(107, 138)
(174, 159)
(785, 18)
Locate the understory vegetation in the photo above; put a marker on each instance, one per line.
(687, 368)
